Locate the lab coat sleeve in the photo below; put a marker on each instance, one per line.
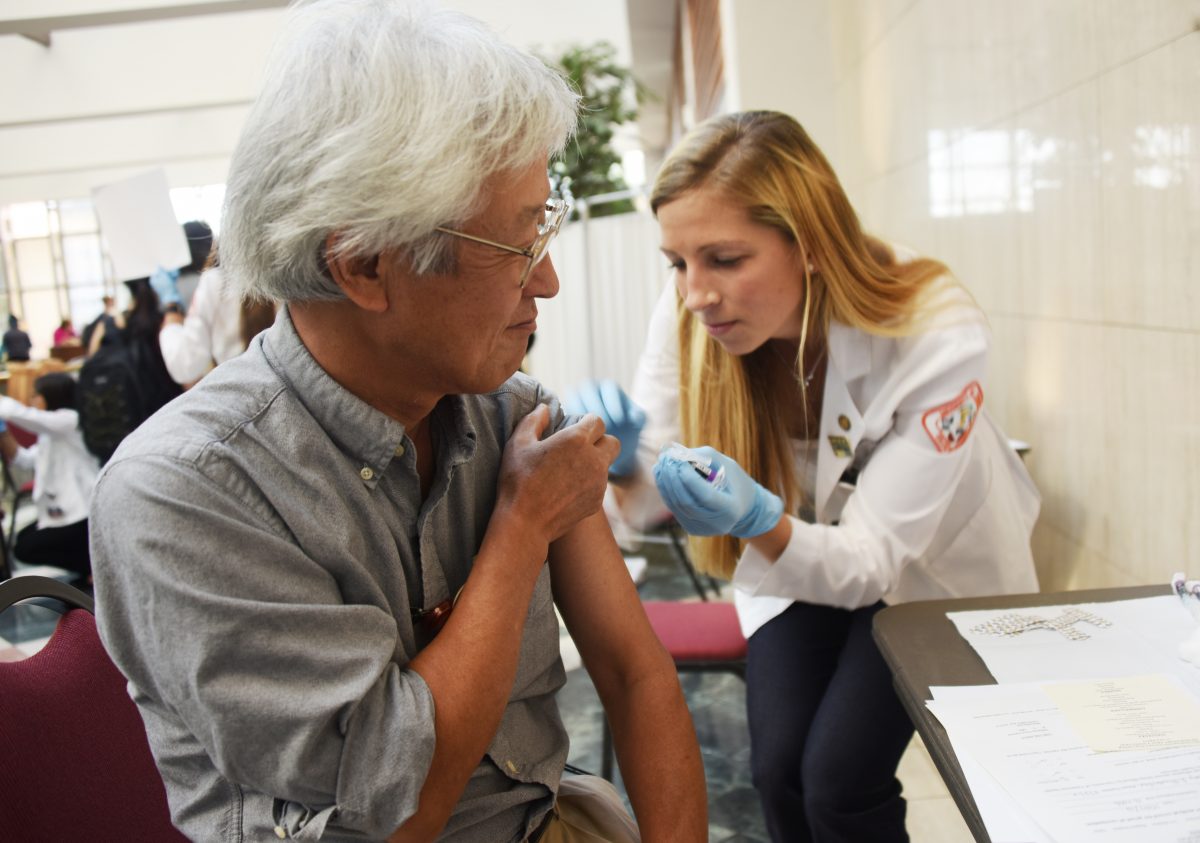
(50, 422)
(902, 494)
(187, 348)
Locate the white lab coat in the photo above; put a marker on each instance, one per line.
(64, 471)
(210, 334)
(921, 523)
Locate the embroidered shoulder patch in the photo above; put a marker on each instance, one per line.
(950, 424)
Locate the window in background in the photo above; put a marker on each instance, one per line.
(83, 262)
(199, 203)
(55, 264)
(33, 269)
(990, 171)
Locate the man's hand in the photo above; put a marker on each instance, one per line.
(546, 487)
(555, 482)
(172, 317)
(622, 418)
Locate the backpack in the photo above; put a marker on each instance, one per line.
(110, 399)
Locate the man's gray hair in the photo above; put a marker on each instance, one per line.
(380, 120)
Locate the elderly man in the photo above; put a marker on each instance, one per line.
(324, 569)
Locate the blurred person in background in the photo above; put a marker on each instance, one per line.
(176, 286)
(16, 342)
(218, 327)
(65, 333)
(111, 320)
(64, 474)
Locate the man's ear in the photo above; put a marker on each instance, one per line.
(358, 278)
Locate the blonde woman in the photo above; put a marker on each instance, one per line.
(835, 386)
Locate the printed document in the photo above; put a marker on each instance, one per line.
(1026, 741)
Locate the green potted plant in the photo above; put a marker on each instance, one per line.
(590, 166)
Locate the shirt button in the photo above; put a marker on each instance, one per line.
(844, 422)
(399, 450)
(365, 473)
(511, 766)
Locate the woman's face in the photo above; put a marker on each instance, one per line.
(741, 279)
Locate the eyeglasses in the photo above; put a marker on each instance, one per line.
(556, 212)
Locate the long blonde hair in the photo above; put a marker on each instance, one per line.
(765, 162)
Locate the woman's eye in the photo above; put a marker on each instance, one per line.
(727, 262)
(678, 266)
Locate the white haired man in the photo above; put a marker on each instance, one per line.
(324, 569)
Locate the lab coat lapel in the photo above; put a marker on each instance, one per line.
(841, 421)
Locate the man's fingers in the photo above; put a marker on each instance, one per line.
(612, 445)
(590, 427)
(530, 428)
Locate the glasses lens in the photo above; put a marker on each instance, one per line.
(556, 212)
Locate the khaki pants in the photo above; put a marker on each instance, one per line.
(588, 810)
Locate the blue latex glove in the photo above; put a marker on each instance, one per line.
(3, 425)
(164, 282)
(742, 508)
(622, 418)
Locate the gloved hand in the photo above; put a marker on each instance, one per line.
(741, 508)
(622, 418)
(165, 283)
(3, 425)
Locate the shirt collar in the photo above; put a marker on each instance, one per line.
(365, 433)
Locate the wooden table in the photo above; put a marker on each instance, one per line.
(923, 648)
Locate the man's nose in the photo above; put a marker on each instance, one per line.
(542, 282)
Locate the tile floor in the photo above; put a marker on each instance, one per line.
(717, 706)
(717, 703)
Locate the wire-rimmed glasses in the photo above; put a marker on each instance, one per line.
(556, 212)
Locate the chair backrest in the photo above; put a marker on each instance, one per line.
(24, 437)
(74, 759)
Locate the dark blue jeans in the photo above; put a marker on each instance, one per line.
(826, 728)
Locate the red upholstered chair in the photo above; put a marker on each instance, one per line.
(24, 437)
(74, 760)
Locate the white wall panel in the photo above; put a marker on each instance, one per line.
(1060, 178)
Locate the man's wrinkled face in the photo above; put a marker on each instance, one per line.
(466, 331)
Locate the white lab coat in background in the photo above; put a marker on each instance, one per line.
(64, 471)
(921, 523)
(211, 332)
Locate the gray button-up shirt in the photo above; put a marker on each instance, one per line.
(259, 546)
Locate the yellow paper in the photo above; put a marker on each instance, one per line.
(1130, 713)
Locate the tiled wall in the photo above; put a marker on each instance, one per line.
(1049, 152)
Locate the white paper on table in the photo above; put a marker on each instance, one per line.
(1144, 638)
(1005, 820)
(1024, 741)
